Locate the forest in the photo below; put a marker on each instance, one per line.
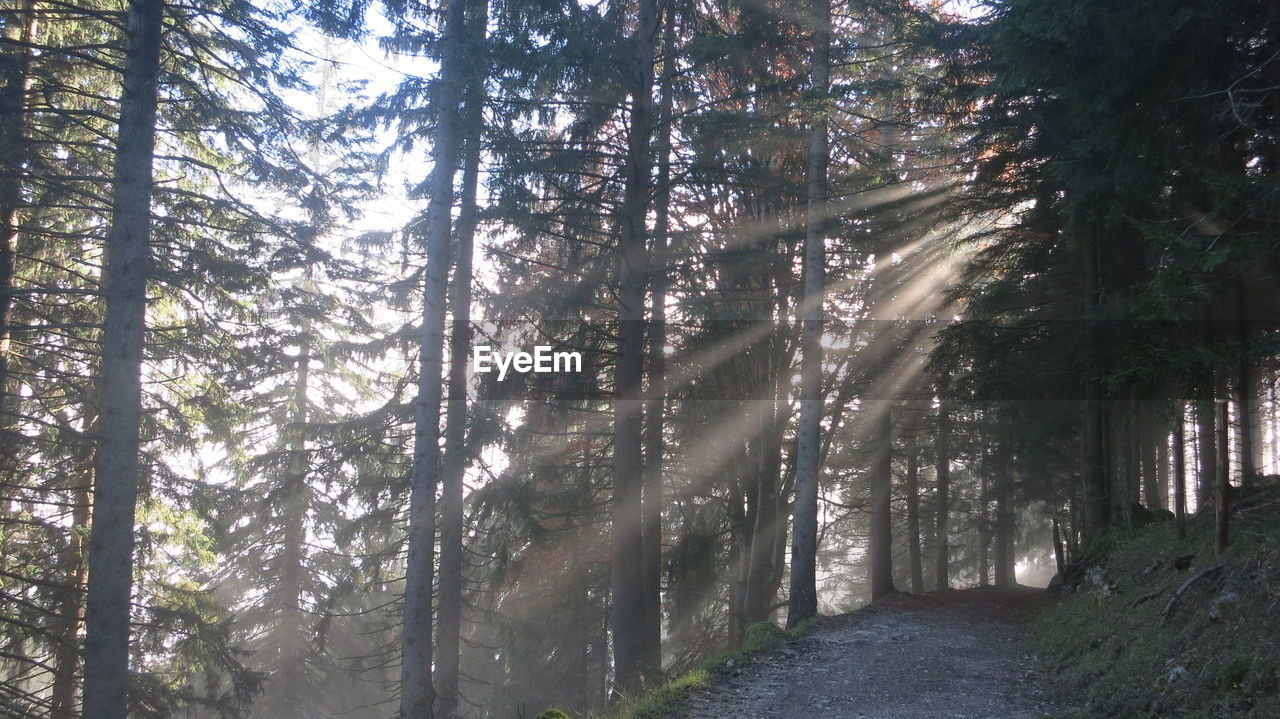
(854, 298)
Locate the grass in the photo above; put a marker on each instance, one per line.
(666, 700)
(1215, 656)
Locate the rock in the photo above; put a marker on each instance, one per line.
(1094, 575)
(1073, 577)
(1056, 585)
(1142, 516)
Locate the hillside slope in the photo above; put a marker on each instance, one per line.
(1151, 625)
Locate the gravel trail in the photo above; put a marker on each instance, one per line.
(959, 655)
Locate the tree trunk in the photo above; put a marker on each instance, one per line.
(655, 406)
(1160, 444)
(66, 658)
(772, 385)
(627, 616)
(1274, 435)
(1097, 482)
(21, 28)
(1072, 530)
(804, 526)
(927, 543)
(1221, 505)
(1120, 454)
(984, 527)
(287, 639)
(1206, 444)
(744, 497)
(416, 690)
(1059, 554)
(453, 474)
(739, 551)
(20, 34)
(1004, 550)
(1247, 406)
(1131, 454)
(1180, 471)
(1149, 439)
(116, 464)
(942, 468)
(1246, 396)
(1005, 522)
(913, 512)
(881, 548)
(778, 563)
(760, 586)
(1097, 478)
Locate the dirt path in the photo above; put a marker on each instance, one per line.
(963, 655)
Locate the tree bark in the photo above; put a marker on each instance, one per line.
(1005, 521)
(21, 28)
(1160, 444)
(913, 511)
(13, 148)
(117, 467)
(1149, 448)
(1097, 477)
(741, 528)
(627, 616)
(1004, 552)
(453, 473)
(287, 640)
(655, 405)
(881, 548)
(1134, 446)
(1221, 505)
(804, 528)
(1180, 471)
(1059, 554)
(1206, 444)
(1246, 395)
(1274, 435)
(1072, 530)
(416, 690)
(760, 585)
(66, 658)
(984, 525)
(942, 468)
(1246, 405)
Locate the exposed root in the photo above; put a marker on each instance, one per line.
(1177, 595)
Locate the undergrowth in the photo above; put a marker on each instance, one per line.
(666, 699)
(1121, 646)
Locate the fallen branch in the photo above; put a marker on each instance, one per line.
(1173, 601)
(1148, 597)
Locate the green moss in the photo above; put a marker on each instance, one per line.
(763, 635)
(667, 699)
(552, 714)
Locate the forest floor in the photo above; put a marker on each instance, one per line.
(959, 655)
